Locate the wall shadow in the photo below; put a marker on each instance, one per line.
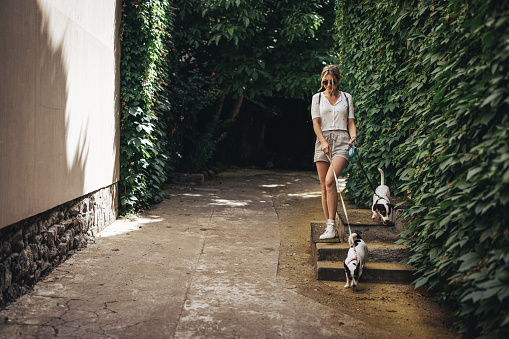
(47, 138)
(44, 145)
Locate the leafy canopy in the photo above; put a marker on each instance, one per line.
(258, 47)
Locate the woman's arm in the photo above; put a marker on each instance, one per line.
(352, 130)
(317, 127)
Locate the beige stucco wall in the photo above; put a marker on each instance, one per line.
(59, 102)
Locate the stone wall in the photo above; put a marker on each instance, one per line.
(31, 248)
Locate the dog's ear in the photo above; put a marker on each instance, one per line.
(391, 207)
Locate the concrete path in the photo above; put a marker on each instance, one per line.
(202, 264)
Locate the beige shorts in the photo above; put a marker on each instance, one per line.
(338, 142)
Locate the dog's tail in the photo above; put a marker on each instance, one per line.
(352, 238)
(383, 179)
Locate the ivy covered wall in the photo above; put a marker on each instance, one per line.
(429, 80)
(143, 159)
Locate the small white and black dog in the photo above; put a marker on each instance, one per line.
(382, 207)
(356, 259)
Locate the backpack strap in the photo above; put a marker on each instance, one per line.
(347, 105)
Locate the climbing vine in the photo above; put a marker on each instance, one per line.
(370, 58)
(431, 88)
(143, 160)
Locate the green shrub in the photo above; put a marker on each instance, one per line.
(432, 76)
(370, 57)
(142, 144)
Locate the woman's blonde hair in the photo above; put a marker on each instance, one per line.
(332, 70)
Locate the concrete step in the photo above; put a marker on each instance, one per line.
(358, 217)
(369, 233)
(384, 256)
(361, 221)
(384, 273)
(378, 252)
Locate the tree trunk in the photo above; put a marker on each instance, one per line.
(219, 106)
(236, 108)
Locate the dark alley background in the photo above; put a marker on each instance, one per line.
(278, 135)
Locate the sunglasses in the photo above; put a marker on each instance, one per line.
(326, 82)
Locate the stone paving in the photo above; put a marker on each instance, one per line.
(202, 264)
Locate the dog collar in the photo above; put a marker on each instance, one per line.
(354, 258)
(386, 199)
(380, 198)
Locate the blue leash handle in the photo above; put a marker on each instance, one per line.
(353, 150)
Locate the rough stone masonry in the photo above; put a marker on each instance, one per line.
(31, 248)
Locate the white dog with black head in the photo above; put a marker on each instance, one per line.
(356, 259)
(382, 208)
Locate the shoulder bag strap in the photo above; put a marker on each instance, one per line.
(347, 106)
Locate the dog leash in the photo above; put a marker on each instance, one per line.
(344, 209)
(363, 171)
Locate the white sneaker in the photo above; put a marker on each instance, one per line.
(330, 232)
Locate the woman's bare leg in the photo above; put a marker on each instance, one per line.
(322, 168)
(339, 165)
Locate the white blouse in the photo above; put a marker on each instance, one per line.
(333, 117)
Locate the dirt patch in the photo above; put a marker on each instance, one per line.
(399, 310)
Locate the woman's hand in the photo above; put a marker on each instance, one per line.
(325, 147)
(352, 140)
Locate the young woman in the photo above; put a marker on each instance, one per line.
(334, 125)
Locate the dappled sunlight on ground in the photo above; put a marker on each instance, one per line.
(272, 186)
(189, 195)
(224, 202)
(123, 226)
(306, 194)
